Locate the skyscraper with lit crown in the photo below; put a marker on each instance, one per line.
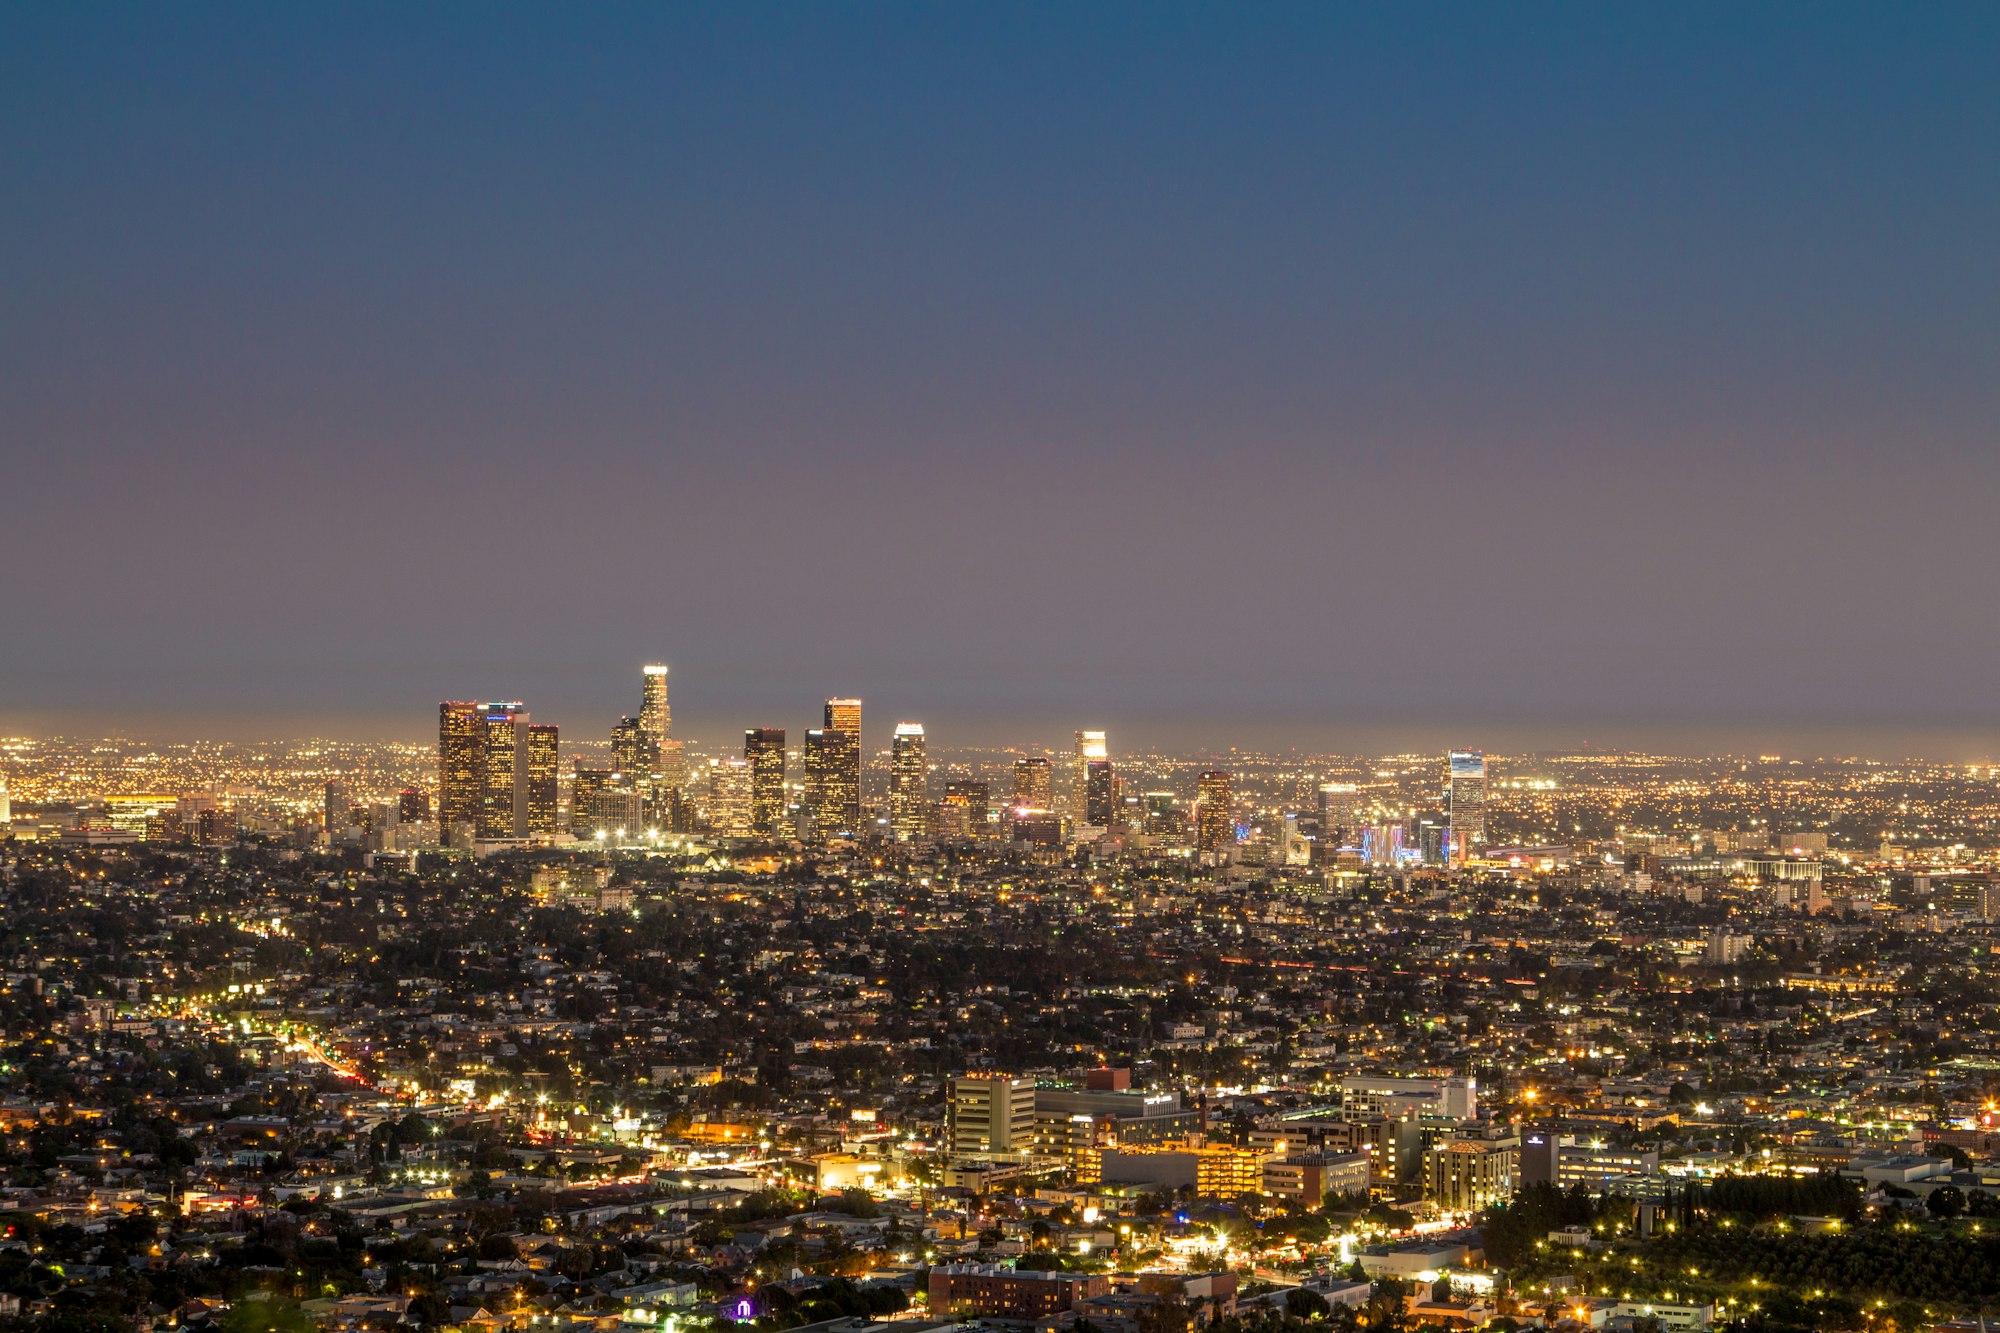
(909, 783)
(1091, 747)
(657, 719)
(832, 759)
(1465, 803)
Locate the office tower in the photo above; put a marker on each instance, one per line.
(1090, 748)
(764, 751)
(840, 808)
(1100, 794)
(820, 756)
(460, 782)
(338, 807)
(1465, 803)
(583, 789)
(412, 807)
(729, 797)
(633, 750)
(1162, 816)
(991, 1114)
(1336, 813)
(1432, 838)
(909, 783)
(656, 719)
(654, 714)
(1215, 813)
(539, 816)
(503, 770)
(962, 814)
(1033, 784)
(6, 803)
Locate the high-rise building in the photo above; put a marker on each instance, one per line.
(1215, 812)
(991, 1114)
(1034, 784)
(965, 810)
(1465, 803)
(412, 807)
(1336, 813)
(1100, 794)
(909, 783)
(838, 810)
(583, 790)
(764, 751)
(339, 807)
(820, 756)
(729, 797)
(1162, 813)
(654, 714)
(503, 747)
(634, 752)
(540, 816)
(656, 719)
(1091, 747)
(460, 781)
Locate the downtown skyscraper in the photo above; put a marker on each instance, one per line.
(1465, 803)
(764, 751)
(909, 784)
(1215, 812)
(833, 770)
(656, 719)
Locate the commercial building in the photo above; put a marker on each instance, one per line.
(1034, 784)
(764, 751)
(1465, 803)
(730, 786)
(992, 1292)
(1215, 812)
(460, 782)
(909, 784)
(991, 1114)
(1091, 747)
(1467, 1174)
(1310, 1177)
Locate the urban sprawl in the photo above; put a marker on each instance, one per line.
(629, 1036)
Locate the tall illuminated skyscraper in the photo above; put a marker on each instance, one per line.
(460, 782)
(657, 719)
(909, 783)
(840, 807)
(729, 784)
(1033, 784)
(654, 714)
(764, 751)
(539, 806)
(1336, 813)
(634, 752)
(1091, 747)
(1100, 794)
(820, 756)
(1465, 803)
(1215, 812)
(503, 750)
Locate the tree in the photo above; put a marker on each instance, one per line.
(1303, 1304)
(1946, 1202)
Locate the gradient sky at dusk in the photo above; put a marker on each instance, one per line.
(1531, 371)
